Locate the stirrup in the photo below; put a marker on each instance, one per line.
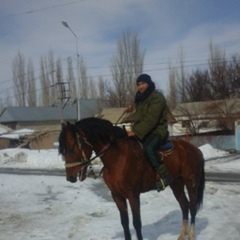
(160, 185)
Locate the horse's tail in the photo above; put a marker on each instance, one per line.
(201, 188)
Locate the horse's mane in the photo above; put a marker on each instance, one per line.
(100, 129)
(94, 129)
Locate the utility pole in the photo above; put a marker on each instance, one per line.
(63, 93)
(65, 24)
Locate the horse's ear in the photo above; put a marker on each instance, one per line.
(69, 124)
(63, 125)
(79, 130)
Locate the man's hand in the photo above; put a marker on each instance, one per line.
(129, 109)
(130, 133)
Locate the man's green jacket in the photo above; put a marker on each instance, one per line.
(150, 116)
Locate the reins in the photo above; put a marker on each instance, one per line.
(86, 162)
(102, 152)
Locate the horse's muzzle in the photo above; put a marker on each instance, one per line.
(71, 179)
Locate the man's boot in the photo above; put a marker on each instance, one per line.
(164, 178)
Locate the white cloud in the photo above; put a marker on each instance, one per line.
(162, 26)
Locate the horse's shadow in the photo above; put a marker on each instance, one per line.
(101, 190)
(169, 224)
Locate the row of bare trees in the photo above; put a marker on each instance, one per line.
(43, 90)
(218, 81)
(212, 85)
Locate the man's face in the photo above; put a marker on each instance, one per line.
(142, 86)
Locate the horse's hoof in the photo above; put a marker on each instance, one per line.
(181, 238)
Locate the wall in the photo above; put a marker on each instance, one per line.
(38, 126)
(237, 134)
(223, 142)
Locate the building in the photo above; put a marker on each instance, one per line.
(48, 118)
(208, 116)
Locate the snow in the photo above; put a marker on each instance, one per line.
(49, 207)
(18, 133)
(4, 129)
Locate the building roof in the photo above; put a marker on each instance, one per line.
(119, 115)
(88, 108)
(29, 114)
(114, 115)
(209, 109)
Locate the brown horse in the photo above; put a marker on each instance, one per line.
(127, 173)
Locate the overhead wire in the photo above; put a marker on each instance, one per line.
(42, 9)
(146, 70)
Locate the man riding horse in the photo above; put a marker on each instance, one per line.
(150, 126)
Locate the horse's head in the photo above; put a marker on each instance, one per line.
(75, 151)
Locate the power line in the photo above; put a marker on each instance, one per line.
(201, 63)
(147, 70)
(42, 9)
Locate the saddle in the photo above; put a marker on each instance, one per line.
(166, 149)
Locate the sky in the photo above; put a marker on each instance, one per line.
(50, 208)
(164, 27)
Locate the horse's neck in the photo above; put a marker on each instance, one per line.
(119, 153)
(100, 149)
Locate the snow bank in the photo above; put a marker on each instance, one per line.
(210, 152)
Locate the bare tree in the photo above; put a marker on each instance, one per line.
(125, 66)
(172, 97)
(9, 101)
(19, 79)
(62, 86)
(101, 88)
(233, 76)
(181, 76)
(83, 84)
(50, 70)
(198, 87)
(189, 116)
(6, 101)
(31, 91)
(51, 73)
(45, 83)
(1, 105)
(92, 89)
(218, 73)
(224, 112)
(71, 80)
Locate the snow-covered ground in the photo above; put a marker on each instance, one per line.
(50, 208)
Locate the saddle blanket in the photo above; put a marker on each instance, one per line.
(166, 146)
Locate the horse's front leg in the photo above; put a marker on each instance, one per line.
(135, 206)
(122, 207)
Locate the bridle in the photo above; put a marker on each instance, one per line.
(83, 155)
(85, 162)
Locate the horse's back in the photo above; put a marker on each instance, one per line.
(188, 150)
(185, 160)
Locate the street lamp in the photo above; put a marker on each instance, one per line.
(65, 24)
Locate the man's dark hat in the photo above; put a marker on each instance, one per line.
(144, 78)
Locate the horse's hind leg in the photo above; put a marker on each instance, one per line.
(178, 191)
(192, 192)
(122, 207)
